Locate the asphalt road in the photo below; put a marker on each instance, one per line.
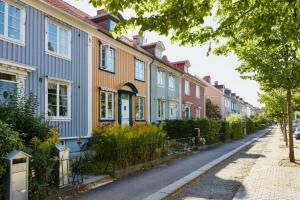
(143, 184)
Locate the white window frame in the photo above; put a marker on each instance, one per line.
(108, 48)
(139, 104)
(162, 103)
(171, 106)
(5, 37)
(161, 77)
(58, 82)
(139, 69)
(158, 53)
(186, 69)
(187, 87)
(59, 27)
(106, 105)
(198, 91)
(171, 82)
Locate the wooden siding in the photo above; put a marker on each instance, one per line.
(124, 72)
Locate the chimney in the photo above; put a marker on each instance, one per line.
(207, 79)
(138, 40)
(216, 83)
(165, 58)
(101, 12)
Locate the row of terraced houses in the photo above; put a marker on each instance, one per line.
(83, 78)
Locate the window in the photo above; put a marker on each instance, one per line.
(158, 53)
(160, 78)
(161, 109)
(187, 87)
(186, 69)
(140, 108)
(198, 91)
(58, 100)
(171, 82)
(106, 105)
(139, 70)
(112, 25)
(107, 58)
(198, 113)
(58, 39)
(187, 112)
(12, 20)
(172, 110)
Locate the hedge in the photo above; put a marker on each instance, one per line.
(237, 125)
(210, 129)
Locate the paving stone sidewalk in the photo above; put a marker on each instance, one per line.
(273, 177)
(257, 172)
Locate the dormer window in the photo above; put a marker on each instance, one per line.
(186, 69)
(158, 53)
(112, 25)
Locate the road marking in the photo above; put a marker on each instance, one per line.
(166, 191)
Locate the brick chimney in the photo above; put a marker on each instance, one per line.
(216, 83)
(207, 79)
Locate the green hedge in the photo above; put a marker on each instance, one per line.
(210, 129)
(225, 131)
(237, 124)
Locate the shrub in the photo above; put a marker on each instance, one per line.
(122, 146)
(236, 123)
(209, 129)
(225, 131)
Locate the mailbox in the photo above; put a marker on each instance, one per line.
(16, 178)
(197, 135)
(62, 175)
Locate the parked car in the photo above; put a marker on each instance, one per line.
(297, 133)
(295, 126)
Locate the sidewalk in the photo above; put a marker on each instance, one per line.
(143, 184)
(259, 172)
(273, 177)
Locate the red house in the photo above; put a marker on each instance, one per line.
(192, 92)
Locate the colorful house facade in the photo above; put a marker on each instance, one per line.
(42, 51)
(192, 92)
(120, 78)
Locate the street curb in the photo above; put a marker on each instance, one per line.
(166, 191)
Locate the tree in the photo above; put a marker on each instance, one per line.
(275, 107)
(212, 110)
(271, 26)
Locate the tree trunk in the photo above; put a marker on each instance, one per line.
(285, 132)
(290, 118)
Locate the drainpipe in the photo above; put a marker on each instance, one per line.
(149, 89)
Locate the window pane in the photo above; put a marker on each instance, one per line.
(52, 99)
(142, 105)
(63, 100)
(102, 105)
(14, 18)
(64, 41)
(52, 37)
(109, 105)
(103, 56)
(2, 17)
(137, 107)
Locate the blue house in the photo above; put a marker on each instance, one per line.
(42, 51)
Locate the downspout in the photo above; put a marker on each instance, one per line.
(150, 93)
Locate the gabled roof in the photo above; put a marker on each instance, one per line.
(158, 44)
(182, 63)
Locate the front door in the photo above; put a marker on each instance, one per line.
(125, 109)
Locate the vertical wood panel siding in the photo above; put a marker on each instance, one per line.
(124, 72)
(163, 93)
(76, 70)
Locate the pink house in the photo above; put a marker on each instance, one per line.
(192, 93)
(215, 93)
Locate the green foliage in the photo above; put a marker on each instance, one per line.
(237, 124)
(122, 146)
(43, 163)
(31, 134)
(9, 140)
(20, 114)
(225, 131)
(209, 129)
(212, 111)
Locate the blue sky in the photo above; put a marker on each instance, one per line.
(220, 68)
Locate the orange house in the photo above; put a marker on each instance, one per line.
(120, 79)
